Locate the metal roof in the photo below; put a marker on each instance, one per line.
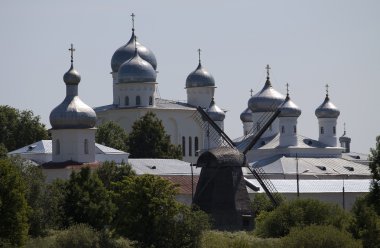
(162, 167)
(317, 186)
(45, 147)
(160, 104)
(311, 166)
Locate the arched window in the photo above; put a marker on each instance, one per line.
(183, 146)
(190, 147)
(86, 146)
(196, 146)
(126, 101)
(334, 129)
(282, 129)
(322, 130)
(57, 147)
(294, 129)
(138, 100)
(150, 100)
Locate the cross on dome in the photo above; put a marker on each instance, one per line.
(268, 68)
(72, 50)
(133, 21)
(327, 90)
(199, 55)
(287, 89)
(251, 92)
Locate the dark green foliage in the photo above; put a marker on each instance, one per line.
(52, 204)
(148, 139)
(217, 239)
(261, 202)
(366, 224)
(20, 128)
(112, 135)
(374, 165)
(3, 151)
(110, 172)
(78, 236)
(319, 237)
(87, 200)
(13, 205)
(300, 213)
(34, 192)
(149, 213)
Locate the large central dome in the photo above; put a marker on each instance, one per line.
(136, 70)
(127, 51)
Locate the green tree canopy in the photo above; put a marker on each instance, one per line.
(112, 135)
(300, 213)
(87, 200)
(374, 165)
(13, 205)
(148, 139)
(111, 172)
(149, 213)
(20, 128)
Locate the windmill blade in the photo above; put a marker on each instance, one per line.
(212, 130)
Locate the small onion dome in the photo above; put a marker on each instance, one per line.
(327, 109)
(71, 76)
(289, 109)
(246, 115)
(344, 138)
(126, 52)
(200, 78)
(214, 112)
(266, 100)
(136, 70)
(72, 113)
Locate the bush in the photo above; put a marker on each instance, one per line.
(300, 213)
(78, 236)
(218, 239)
(319, 237)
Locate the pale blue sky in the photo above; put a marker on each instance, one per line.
(307, 44)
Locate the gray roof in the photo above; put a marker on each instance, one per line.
(162, 167)
(318, 186)
(45, 147)
(160, 104)
(273, 142)
(311, 166)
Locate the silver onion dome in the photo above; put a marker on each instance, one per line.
(266, 100)
(136, 70)
(200, 78)
(72, 113)
(246, 115)
(214, 112)
(289, 108)
(71, 76)
(327, 109)
(127, 51)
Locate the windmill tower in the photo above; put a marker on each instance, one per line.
(221, 190)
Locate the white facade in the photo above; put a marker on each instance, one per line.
(327, 131)
(200, 96)
(288, 131)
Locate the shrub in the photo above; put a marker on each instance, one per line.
(218, 239)
(300, 213)
(319, 237)
(78, 236)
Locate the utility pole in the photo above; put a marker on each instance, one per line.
(298, 177)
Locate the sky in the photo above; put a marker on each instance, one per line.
(308, 44)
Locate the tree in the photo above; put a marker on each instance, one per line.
(319, 237)
(366, 223)
(20, 128)
(112, 135)
(110, 173)
(374, 165)
(13, 205)
(87, 200)
(300, 213)
(149, 213)
(148, 139)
